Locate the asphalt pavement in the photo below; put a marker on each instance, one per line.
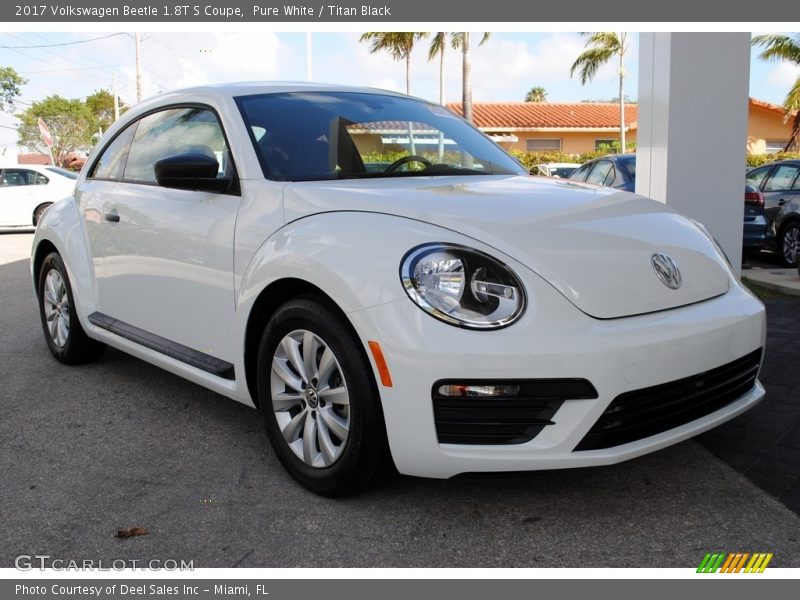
(120, 443)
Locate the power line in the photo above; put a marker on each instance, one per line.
(102, 37)
(100, 67)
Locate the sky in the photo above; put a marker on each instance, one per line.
(504, 68)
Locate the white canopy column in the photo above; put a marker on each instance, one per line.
(692, 129)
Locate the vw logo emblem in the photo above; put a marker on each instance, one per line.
(667, 271)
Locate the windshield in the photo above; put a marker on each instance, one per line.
(303, 136)
(63, 172)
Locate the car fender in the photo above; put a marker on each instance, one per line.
(61, 226)
(353, 257)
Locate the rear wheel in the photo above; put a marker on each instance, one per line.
(319, 400)
(789, 244)
(62, 330)
(37, 214)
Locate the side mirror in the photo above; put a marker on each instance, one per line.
(191, 171)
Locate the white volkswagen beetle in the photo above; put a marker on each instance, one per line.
(385, 283)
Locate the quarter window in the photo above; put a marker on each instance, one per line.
(111, 163)
(171, 132)
(782, 178)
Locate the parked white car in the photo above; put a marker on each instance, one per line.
(453, 317)
(26, 191)
(561, 170)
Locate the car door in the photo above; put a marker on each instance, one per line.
(18, 195)
(163, 257)
(781, 195)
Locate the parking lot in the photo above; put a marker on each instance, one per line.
(120, 443)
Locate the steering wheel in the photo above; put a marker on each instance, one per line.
(407, 159)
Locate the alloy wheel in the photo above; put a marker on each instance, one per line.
(791, 244)
(310, 398)
(56, 307)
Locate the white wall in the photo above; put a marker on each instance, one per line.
(693, 101)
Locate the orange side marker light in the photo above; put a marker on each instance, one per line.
(380, 362)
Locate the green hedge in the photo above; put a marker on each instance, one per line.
(756, 160)
(530, 159)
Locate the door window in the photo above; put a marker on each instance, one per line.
(175, 131)
(782, 178)
(18, 177)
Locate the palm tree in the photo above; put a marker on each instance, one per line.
(784, 47)
(536, 94)
(461, 40)
(398, 44)
(601, 46)
(437, 47)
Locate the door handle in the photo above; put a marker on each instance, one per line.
(782, 201)
(112, 217)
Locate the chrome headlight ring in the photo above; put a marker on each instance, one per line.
(462, 286)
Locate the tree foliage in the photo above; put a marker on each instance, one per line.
(536, 94)
(398, 44)
(72, 124)
(786, 48)
(602, 46)
(101, 103)
(10, 84)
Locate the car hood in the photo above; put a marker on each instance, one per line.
(594, 245)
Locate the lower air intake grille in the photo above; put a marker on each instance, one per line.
(503, 419)
(639, 414)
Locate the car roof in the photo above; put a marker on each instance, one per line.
(785, 161)
(249, 88)
(21, 166)
(559, 164)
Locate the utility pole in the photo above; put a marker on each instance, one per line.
(138, 38)
(308, 56)
(116, 98)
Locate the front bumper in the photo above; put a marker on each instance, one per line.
(553, 340)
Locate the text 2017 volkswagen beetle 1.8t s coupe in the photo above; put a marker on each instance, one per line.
(385, 283)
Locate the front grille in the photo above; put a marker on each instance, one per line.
(503, 420)
(639, 414)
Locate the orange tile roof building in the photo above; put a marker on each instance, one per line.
(578, 127)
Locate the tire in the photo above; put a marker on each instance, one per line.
(65, 337)
(789, 244)
(332, 442)
(37, 214)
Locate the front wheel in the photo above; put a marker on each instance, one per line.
(790, 245)
(319, 400)
(65, 337)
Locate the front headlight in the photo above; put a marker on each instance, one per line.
(462, 286)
